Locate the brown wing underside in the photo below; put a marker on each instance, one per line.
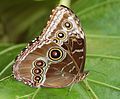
(24, 70)
(76, 48)
(63, 73)
(60, 74)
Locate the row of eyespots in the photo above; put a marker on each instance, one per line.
(61, 35)
(38, 70)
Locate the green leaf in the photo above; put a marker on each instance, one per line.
(101, 21)
(99, 17)
(18, 16)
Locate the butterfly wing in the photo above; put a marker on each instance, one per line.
(38, 69)
(56, 58)
(25, 68)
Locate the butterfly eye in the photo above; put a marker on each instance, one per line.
(37, 78)
(39, 63)
(68, 25)
(55, 54)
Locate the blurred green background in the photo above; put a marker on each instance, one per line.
(23, 20)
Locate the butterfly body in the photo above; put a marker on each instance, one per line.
(56, 58)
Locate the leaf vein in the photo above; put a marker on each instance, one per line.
(6, 67)
(104, 84)
(35, 93)
(96, 6)
(103, 56)
(11, 48)
(91, 90)
(104, 37)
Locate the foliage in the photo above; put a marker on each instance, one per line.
(21, 21)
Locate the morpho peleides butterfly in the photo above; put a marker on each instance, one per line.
(56, 58)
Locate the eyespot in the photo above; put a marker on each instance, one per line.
(37, 71)
(55, 54)
(61, 35)
(37, 79)
(39, 63)
(55, 40)
(68, 25)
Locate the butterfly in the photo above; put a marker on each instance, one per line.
(56, 58)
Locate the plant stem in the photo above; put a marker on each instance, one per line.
(65, 2)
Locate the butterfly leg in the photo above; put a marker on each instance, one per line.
(81, 76)
(85, 73)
